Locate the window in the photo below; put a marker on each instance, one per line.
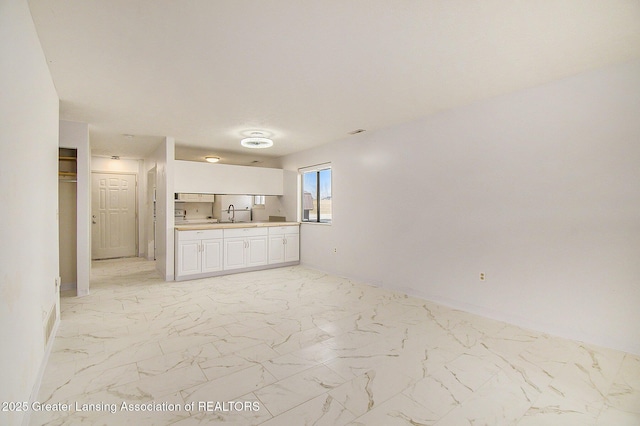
(316, 194)
(258, 201)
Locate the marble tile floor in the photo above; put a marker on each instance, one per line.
(294, 346)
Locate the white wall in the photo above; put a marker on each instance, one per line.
(538, 189)
(29, 228)
(163, 160)
(196, 210)
(291, 200)
(76, 135)
(104, 164)
(107, 164)
(272, 207)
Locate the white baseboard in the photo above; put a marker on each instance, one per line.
(68, 286)
(43, 366)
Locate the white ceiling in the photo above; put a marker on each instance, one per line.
(208, 72)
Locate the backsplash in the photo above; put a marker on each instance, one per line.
(196, 210)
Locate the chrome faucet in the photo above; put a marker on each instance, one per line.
(232, 210)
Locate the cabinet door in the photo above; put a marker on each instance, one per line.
(276, 249)
(257, 251)
(189, 258)
(234, 253)
(212, 255)
(188, 197)
(292, 247)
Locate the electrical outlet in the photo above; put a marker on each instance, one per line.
(482, 276)
(335, 249)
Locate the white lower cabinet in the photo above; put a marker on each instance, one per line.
(198, 252)
(188, 258)
(284, 244)
(212, 255)
(201, 253)
(245, 248)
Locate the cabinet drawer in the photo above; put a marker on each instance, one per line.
(292, 230)
(203, 234)
(245, 232)
(281, 230)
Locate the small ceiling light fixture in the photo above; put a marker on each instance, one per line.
(256, 140)
(115, 157)
(212, 159)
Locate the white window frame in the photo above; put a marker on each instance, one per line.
(259, 201)
(301, 172)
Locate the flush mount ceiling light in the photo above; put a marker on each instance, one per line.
(256, 140)
(212, 159)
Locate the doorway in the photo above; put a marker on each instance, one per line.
(113, 215)
(68, 218)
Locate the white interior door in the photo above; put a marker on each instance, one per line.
(113, 215)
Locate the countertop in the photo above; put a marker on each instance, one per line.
(233, 225)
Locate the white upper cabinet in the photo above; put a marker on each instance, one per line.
(196, 177)
(197, 198)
